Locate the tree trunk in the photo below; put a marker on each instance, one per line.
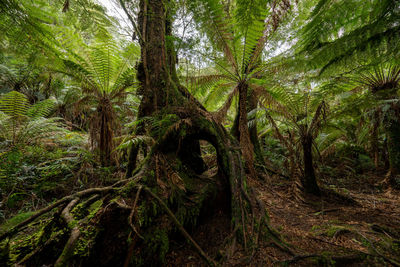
(374, 140)
(308, 181)
(105, 128)
(392, 129)
(247, 136)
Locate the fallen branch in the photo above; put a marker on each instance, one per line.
(273, 171)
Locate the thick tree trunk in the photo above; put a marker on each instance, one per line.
(308, 181)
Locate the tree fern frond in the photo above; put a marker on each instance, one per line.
(14, 104)
(41, 109)
(214, 22)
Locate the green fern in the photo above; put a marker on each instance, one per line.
(14, 104)
(41, 109)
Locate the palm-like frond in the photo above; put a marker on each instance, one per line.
(381, 78)
(14, 104)
(340, 36)
(101, 68)
(42, 108)
(25, 124)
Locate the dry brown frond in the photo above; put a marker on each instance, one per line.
(220, 115)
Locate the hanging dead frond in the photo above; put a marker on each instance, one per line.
(220, 115)
(65, 6)
(319, 116)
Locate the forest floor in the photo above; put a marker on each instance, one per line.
(362, 220)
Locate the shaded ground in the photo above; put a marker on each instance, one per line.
(329, 226)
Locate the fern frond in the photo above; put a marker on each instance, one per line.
(14, 104)
(217, 25)
(41, 109)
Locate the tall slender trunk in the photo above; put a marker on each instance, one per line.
(106, 134)
(374, 139)
(308, 181)
(392, 129)
(248, 135)
(244, 134)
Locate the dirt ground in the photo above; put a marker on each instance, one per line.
(357, 226)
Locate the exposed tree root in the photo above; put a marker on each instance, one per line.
(56, 204)
(75, 233)
(207, 259)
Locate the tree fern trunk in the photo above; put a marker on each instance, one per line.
(392, 128)
(308, 181)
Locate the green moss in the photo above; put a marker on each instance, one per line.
(331, 231)
(85, 242)
(94, 208)
(15, 221)
(128, 189)
(157, 244)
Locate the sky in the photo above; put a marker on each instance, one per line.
(113, 9)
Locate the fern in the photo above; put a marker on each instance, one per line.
(342, 41)
(14, 104)
(41, 109)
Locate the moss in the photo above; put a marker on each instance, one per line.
(332, 230)
(128, 189)
(157, 244)
(94, 208)
(15, 221)
(85, 242)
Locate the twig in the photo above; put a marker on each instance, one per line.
(391, 261)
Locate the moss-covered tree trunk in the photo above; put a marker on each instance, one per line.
(131, 222)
